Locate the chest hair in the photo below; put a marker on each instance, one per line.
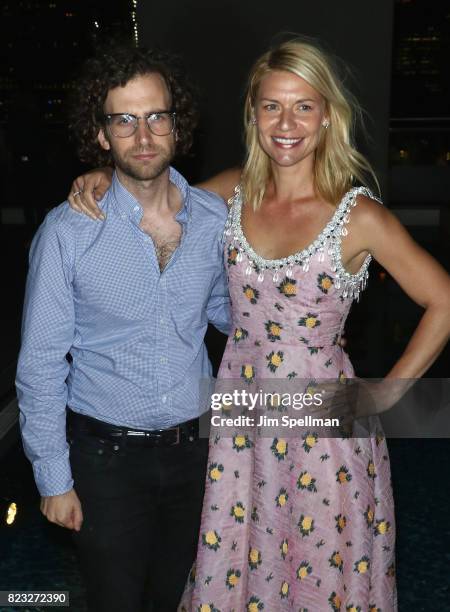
(166, 240)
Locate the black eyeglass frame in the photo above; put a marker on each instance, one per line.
(172, 113)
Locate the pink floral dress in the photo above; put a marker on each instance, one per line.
(304, 523)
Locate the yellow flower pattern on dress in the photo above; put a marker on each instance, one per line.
(251, 294)
(382, 527)
(303, 570)
(371, 472)
(341, 522)
(305, 525)
(240, 334)
(288, 287)
(310, 321)
(391, 570)
(293, 519)
(362, 566)
(248, 373)
(335, 602)
(369, 515)
(324, 282)
(284, 590)
(241, 442)
(254, 558)
(210, 607)
(306, 481)
(343, 475)
(232, 256)
(273, 330)
(279, 448)
(311, 387)
(212, 540)
(254, 604)
(238, 512)
(233, 577)
(379, 438)
(215, 471)
(336, 560)
(309, 441)
(274, 360)
(281, 498)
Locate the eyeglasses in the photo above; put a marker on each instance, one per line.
(123, 125)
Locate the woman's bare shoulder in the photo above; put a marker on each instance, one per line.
(223, 184)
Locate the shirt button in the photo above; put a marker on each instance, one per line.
(162, 320)
(136, 208)
(163, 360)
(164, 399)
(123, 216)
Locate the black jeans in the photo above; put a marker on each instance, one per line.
(141, 516)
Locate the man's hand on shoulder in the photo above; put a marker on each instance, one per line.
(88, 189)
(64, 510)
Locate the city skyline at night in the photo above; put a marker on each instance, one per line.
(421, 47)
(44, 42)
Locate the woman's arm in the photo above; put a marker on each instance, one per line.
(376, 230)
(89, 188)
(223, 184)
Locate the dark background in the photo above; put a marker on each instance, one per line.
(398, 52)
(220, 45)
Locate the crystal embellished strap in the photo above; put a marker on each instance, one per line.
(350, 285)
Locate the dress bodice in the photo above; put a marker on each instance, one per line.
(298, 301)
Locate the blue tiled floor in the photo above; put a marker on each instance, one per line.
(36, 555)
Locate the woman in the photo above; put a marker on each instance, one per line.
(305, 522)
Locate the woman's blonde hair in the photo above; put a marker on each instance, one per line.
(337, 163)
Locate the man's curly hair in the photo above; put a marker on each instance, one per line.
(112, 68)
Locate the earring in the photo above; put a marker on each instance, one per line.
(325, 124)
(253, 120)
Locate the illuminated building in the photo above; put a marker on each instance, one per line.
(43, 44)
(420, 99)
(420, 59)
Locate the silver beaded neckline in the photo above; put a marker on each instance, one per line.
(328, 240)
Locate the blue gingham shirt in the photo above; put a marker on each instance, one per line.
(135, 334)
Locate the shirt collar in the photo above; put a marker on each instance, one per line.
(127, 205)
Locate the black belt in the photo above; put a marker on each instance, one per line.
(80, 423)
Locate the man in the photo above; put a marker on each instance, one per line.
(129, 299)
